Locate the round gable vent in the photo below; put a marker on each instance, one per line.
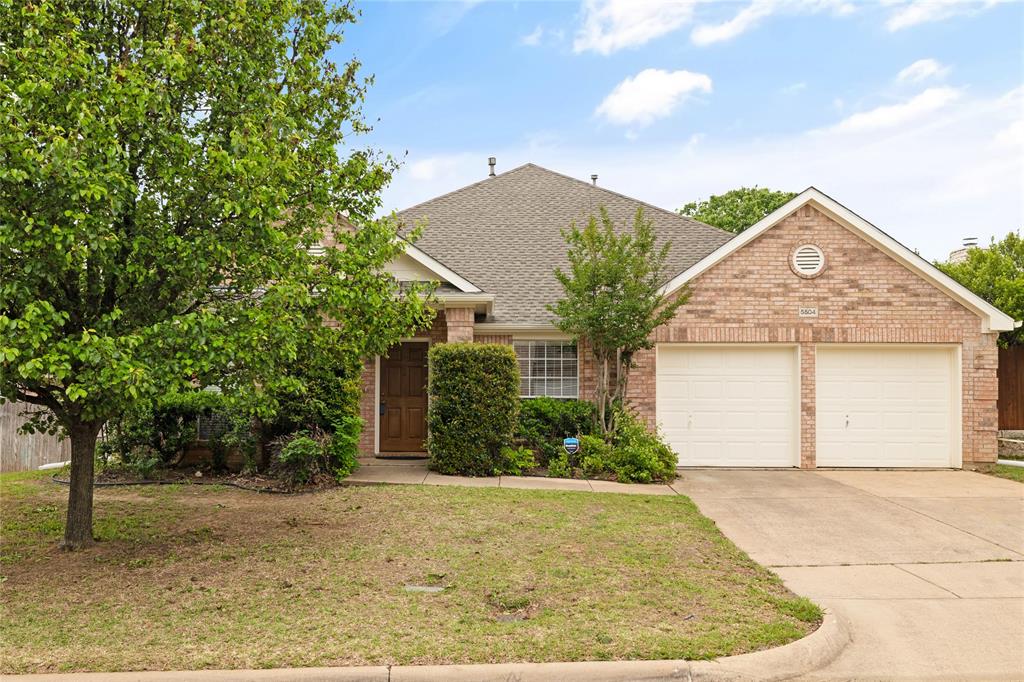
(807, 260)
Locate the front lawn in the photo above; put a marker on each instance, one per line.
(1006, 471)
(190, 576)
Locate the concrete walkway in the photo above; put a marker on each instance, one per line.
(926, 567)
(414, 471)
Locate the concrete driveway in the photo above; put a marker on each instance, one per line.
(926, 567)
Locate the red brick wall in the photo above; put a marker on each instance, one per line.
(503, 339)
(460, 324)
(863, 296)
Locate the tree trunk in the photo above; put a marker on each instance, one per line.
(78, 530)
(261, 453)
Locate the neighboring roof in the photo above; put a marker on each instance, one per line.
(504, 235)
(993, 319)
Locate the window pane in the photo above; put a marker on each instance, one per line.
(570, 388)
(547, 368)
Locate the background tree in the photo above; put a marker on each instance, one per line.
(737, 209)
(997, 275)
(611, 300)
(163, 169)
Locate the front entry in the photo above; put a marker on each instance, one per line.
(403, 399)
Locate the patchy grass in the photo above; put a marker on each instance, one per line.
(193, 577)
(1006, 471)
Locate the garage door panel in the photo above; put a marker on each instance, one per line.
(886, 406)
(730, 405)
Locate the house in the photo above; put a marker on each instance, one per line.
(811, 339)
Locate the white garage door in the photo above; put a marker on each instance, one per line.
(885, 406)
(732, 406)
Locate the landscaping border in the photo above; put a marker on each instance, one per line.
(801, 657)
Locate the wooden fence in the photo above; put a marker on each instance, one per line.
(1011, 388)
(19, 452)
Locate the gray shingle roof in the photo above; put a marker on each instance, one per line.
(504, 235)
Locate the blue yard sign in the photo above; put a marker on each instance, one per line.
(571, 445)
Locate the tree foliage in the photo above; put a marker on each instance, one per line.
(996, 274)
(163, 169)
(737, 209)
(612, 302)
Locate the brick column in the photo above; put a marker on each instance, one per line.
(808, 406)
(460, 324)
(368, 406)
(980, 360)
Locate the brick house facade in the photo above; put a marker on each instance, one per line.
(745, 292)
(863, 296)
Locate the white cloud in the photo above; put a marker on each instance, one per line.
(745, 19)
(650, 95)
(748, 17)
(922, 69)
(892, 115)
(433, 168)
(612, 25)
(794, 88)
(1012, 134)
(914, 12)
(919, 183)
(533, 39)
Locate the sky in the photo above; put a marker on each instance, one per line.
(909, 112)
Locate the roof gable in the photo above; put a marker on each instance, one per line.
(504, 235)
(993, 319)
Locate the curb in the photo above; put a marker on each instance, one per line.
(798, 658)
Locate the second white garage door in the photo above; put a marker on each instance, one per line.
(732, 406)
(887, 406)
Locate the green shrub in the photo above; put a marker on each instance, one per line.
(515, 461)
(300, 458)
(474, 405)
(635, 455)
(544, 422)
(161, 428)
(559, 466)
(639, 455)
(344, 446)
(595, 456)
(142, 462)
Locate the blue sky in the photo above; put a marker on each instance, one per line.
(909, 112)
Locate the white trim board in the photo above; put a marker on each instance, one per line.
(442, 271)
(993, 319)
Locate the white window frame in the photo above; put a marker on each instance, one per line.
(548, 341)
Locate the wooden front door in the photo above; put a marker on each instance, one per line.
(403, 399)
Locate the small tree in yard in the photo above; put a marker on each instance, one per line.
(612, 300)
(164, 167)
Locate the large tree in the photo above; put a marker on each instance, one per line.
(997, 275)
(612, 300)
(164, 168)
(737, 209)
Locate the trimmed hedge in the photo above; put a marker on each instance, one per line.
(474, 407)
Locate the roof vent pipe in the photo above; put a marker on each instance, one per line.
(490, 162)
(593, 179)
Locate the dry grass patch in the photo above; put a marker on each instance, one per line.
(201, 577)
